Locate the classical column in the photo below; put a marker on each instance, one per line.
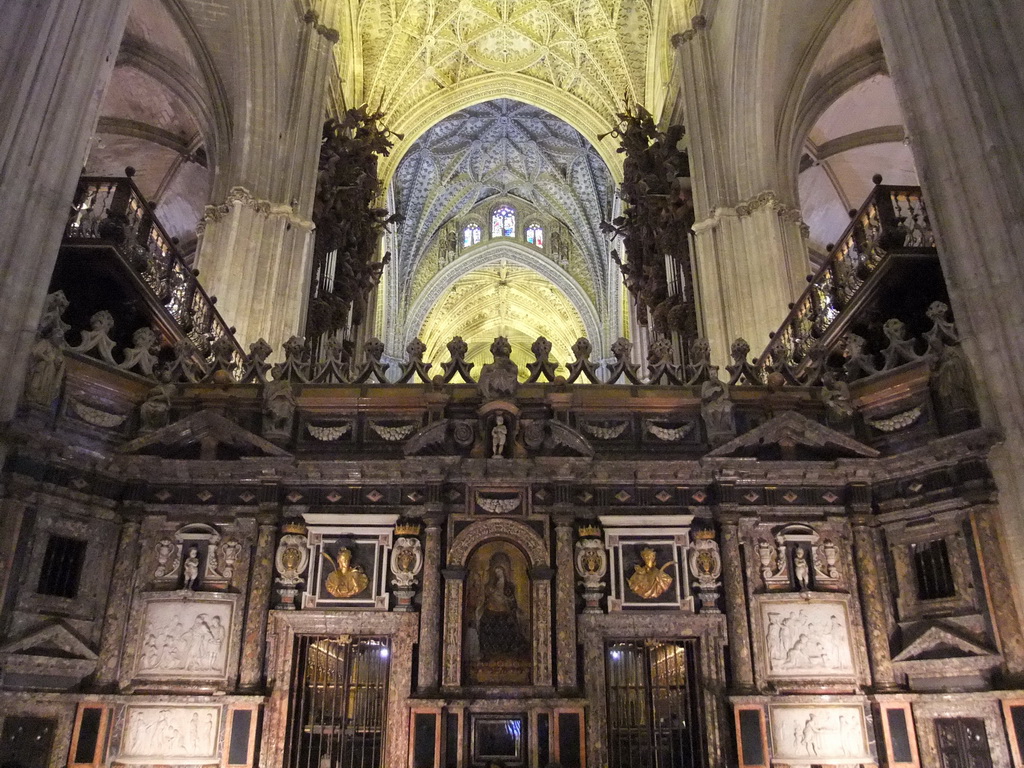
(750, 254)
(958, 65)
(870, 563)
(736, 605)
(565, 604)
(119, 603)
(540, 578)
(260, 583)
(454, 584)
(58, 56)
(997, 583)
(430, 608)
(255, 245)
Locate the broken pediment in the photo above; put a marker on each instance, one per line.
(936, 641)
(792, 436)
(204, 435)
(53, 640)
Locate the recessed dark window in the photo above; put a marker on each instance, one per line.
(62, 567)
(934, 574)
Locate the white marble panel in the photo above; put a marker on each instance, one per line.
(156, 734)
(812, 735)
(809, 638)
(185, 639)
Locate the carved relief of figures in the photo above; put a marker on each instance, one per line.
(162, 732)
(498, 648)
(346, 580)
(649, 580)
(807, 639)
(818, 734)
(155, 411)
(184, 640)
(839, 410)
(46, 369)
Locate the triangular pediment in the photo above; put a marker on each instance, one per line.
(203, 435)
(53, 640)
(791, 435)
(941, 642)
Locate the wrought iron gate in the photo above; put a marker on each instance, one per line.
(654, 716)
(338, 702)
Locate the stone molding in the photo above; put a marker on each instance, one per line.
(242, 197)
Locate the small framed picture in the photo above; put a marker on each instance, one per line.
(499, 739)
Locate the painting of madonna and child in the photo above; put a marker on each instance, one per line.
(496, 644)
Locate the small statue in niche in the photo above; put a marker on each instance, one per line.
(191, 569)
(346, 580)
(801, 570)
(649, 580)
(499, 436)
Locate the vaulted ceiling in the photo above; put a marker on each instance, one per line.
(501, 147)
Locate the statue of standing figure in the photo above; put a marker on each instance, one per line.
(716, 409)
(499, 436)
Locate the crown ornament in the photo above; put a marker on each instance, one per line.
(589, 530)
(407, 529)
(294, 526)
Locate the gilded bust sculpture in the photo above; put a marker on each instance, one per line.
(649, 580)
(346, 580)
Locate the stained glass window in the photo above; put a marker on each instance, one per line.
(470, 235)
(503, 222)
(535, 235)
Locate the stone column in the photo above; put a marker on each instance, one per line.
(540, 577)
(12, 512)
(58, 56)
(260, 583)
(750, 255)
(958, 65)
(565, 604)
(736, 605)
(997, 582)
(256, 244)
(430, 608)
(869, 562)
(119, 605)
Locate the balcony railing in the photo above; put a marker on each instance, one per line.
(111, 211)
(892, 222)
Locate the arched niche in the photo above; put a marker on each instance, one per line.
(482, 541)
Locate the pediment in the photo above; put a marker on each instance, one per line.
(203, 435)
(53, 640)
(941, 642)
(791, 435)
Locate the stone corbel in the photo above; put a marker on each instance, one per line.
(328, 33)
(239, 194)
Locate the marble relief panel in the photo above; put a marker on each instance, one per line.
(159, 733)
(185, 638)
(813, 735)
(807, 639)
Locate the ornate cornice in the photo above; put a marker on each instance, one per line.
(767, 199)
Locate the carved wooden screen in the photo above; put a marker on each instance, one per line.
(338, 702)
(653, 711)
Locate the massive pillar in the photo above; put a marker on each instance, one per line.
(750, 256)
(58, 56)
(256, 245)
(958, 70)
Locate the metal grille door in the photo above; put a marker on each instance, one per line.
(653, 711)
(338, 702)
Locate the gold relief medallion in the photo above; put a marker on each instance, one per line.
(649, 580)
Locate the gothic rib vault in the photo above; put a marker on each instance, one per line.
(509, 151)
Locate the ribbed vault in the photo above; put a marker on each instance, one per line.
(502, 300)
